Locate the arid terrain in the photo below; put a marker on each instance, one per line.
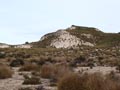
(76, 58)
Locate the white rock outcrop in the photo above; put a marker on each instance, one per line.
(66, 40)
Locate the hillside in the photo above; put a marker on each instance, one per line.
(77, 36)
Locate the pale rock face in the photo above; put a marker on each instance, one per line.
(66, 40)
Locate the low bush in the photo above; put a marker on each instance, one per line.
(54, 71)
(95, 81)
(2, 54)
(47, 71)
(5, 72)
(30, 67)
(17, 62)
(71, 82)
(60, 71)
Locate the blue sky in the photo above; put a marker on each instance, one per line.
(28, 20)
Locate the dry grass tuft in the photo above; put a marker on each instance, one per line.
(94, 81)
(5, 72)
(30, 67)
(54, 71)
(47, 71)
(71, 82)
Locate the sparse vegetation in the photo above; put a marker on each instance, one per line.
(65, 67)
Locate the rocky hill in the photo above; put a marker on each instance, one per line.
(77, 36)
